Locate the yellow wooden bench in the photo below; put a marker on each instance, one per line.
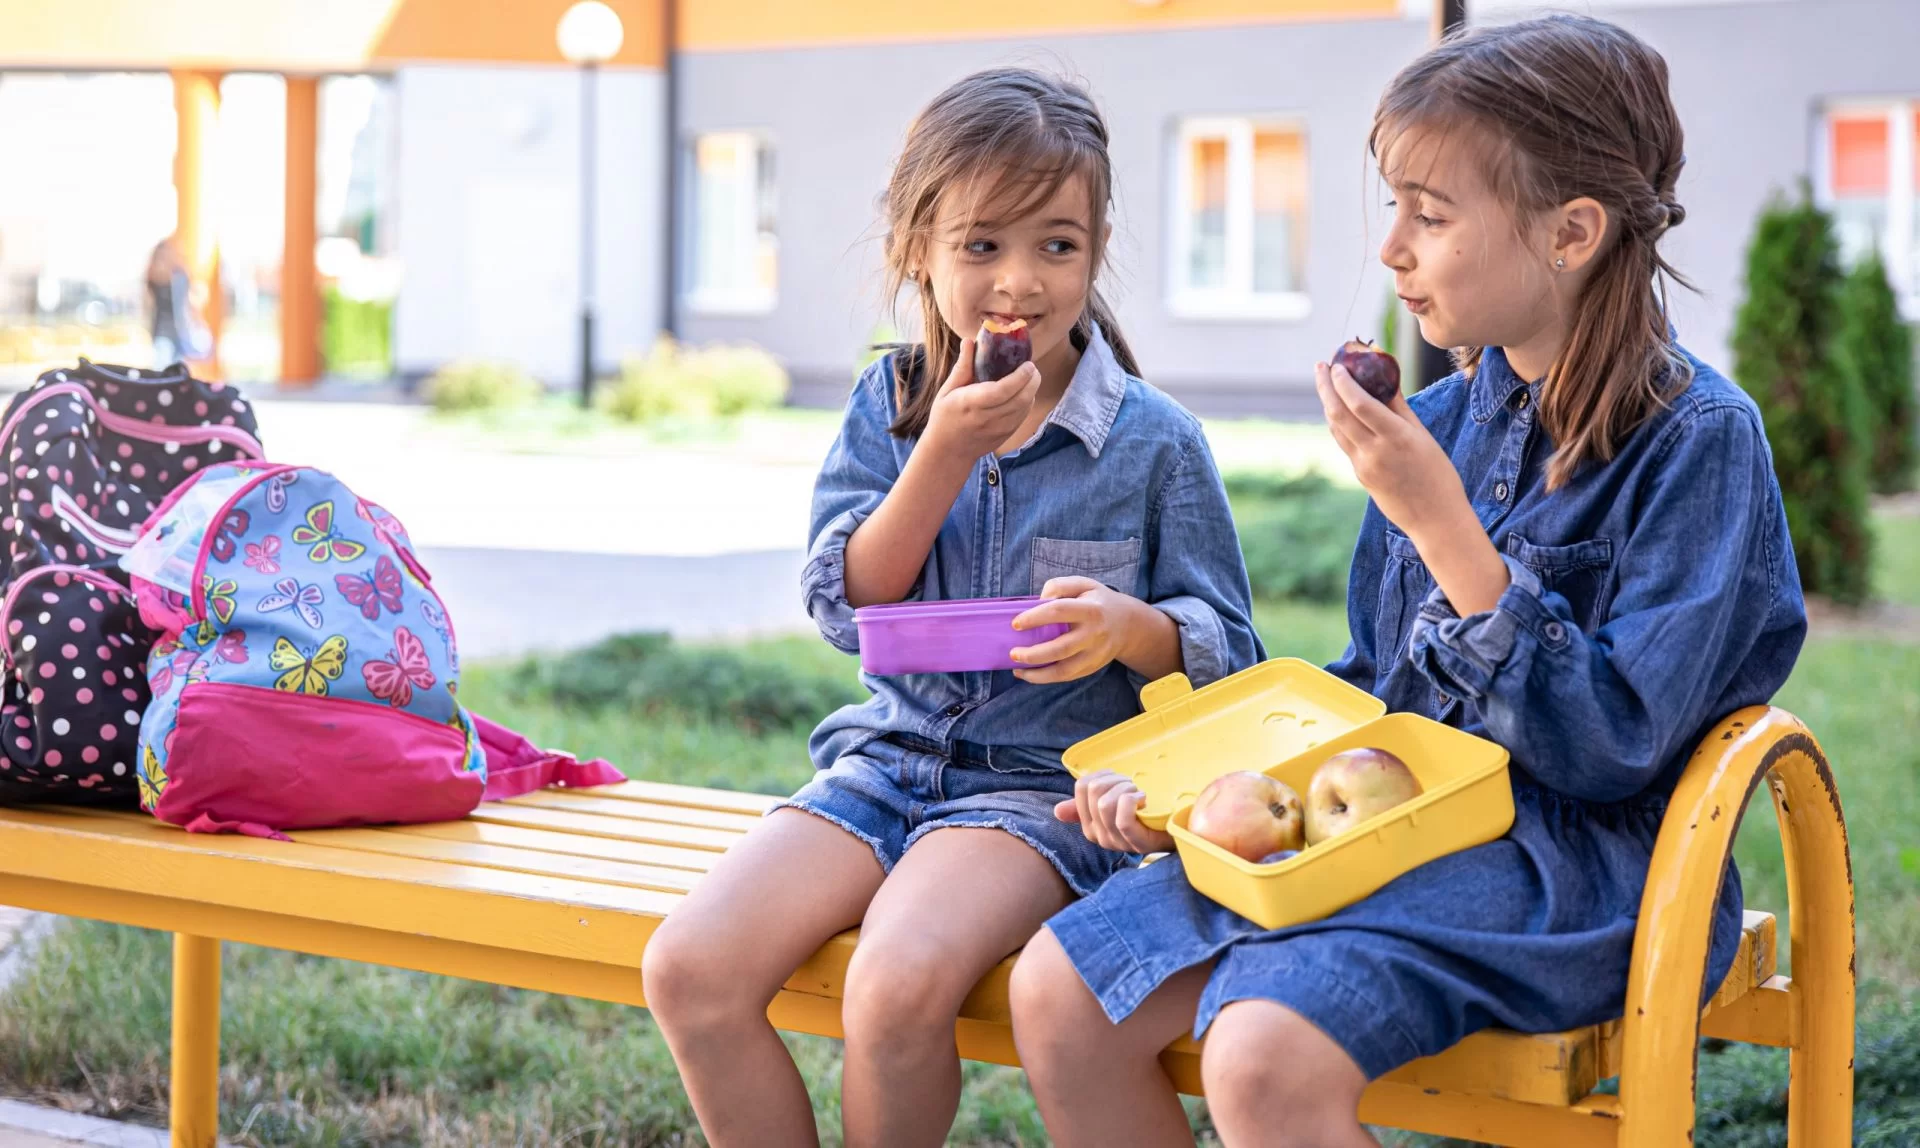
(558, 891)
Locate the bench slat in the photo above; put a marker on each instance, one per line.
(514, 860)
(521, 911)
(691, 796)
(573, 844)
(596, 825)
(589, 801)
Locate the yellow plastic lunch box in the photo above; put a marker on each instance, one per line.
(1283, 718)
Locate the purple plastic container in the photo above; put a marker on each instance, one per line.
(947, 637)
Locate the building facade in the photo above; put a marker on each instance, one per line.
(1248, 212)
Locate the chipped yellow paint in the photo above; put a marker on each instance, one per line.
(559, 892)
(1670, 946)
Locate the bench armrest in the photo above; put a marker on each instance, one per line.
(1690, 860)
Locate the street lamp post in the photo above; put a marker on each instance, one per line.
(590, 34)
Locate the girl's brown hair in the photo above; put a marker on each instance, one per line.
(1033, 134)
(1575, 107)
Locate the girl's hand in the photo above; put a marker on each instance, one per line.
(1105, 625)
(1107, 807)
(969, 418)
(1395, 458)
(1415, 485)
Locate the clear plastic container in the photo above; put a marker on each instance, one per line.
(167, 552)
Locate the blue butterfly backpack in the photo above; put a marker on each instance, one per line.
(307, 674)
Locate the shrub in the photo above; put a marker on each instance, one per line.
(476, 385)
(1296, 534)
(672, 381)
(648, 673)
(1783, 348)
(1876, 347)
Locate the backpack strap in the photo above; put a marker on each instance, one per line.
(516, 766)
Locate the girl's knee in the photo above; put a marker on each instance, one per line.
(900, 986)
(686, 975)
(1052, 1008)
(1261, 1058)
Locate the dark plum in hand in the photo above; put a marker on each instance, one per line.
(1000, 349)
(1377, 372)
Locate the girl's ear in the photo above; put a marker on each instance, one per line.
(1578, 228)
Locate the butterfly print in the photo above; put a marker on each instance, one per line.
(407, 666)
(321, 535)
(232, 648)
(277, 491)
(374, 590)
(264, 556)
(226, 537)
(289, 594)
(308, 673)
(220, 596)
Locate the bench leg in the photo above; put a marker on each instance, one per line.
(195, 1102)
(1820, 925)
(1661, 1034)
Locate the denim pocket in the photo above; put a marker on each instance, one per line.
(1113, 564)
(1580, 572)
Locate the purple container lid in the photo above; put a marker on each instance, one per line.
(954, 636)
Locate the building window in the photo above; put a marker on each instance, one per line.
(1239, 227)
(1868, 176)
(735, 251)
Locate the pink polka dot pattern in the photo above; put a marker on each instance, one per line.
(74, 683)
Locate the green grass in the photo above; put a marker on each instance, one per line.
(1896, 558)
(1860, 700)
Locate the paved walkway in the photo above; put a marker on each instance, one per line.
(551, 550)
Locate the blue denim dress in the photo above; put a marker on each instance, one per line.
(1650, 596)
(1119, 486)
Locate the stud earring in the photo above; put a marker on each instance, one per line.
(1560, 265)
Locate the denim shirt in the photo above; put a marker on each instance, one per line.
(1118, 486)
(1650, 596)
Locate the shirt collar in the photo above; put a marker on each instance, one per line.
(1092, 400)
(1494, 385)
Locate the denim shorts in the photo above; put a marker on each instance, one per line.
(1533, 932)
(891, 792)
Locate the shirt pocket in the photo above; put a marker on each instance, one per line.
(1404, 585)
(1113, 564)
(1580, 572)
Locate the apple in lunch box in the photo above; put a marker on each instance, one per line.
(1000, 348)
(1377, 372)
(1250, 815)
(1353, 786)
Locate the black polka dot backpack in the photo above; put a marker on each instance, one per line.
(88, 453)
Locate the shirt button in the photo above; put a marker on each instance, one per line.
(1520, 400)
(1500, 491)
(1554, 631)
(956, 709)
(1445, 699)
(993, 478)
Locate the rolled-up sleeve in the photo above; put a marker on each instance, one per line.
(1599, 715)
(860, 469)
(1198, 577)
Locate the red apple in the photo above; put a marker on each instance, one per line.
(1351, 787)
(1248, 814)
(1000, 348)
(1377, 372)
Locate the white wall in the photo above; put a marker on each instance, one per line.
(488, 226)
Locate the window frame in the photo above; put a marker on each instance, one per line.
(1237, 300)
(723, 301)
(1900, 243)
